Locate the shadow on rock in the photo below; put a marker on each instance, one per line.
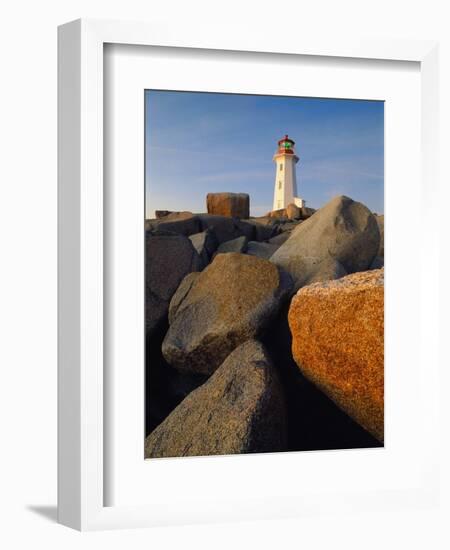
(165, 387)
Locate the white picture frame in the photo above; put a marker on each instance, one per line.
(81, 362)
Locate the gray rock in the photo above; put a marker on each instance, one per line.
(327, 270)
(262, 231)
(181, 293)
(245, 229)
(262, 250)
(232, 205)
(168, 259)
(293, 212)
(177, 216)
(233, 300)
(149, 224)
(281, 213)
(240, 409)
(343, 230)
(263, 220)
(287, 226)
(307, 212)
(280, 239)
(205, 243)
(162, 213)
(378, 262)
(225, 229)
(235, 245)
(380, 222)
(181, 223)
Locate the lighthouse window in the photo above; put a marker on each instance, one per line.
(281, 167)
(279, 184)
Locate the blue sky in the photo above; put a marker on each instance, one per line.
(197, 143)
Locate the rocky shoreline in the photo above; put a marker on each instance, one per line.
(264, 334)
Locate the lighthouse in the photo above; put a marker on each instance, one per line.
(285, 191)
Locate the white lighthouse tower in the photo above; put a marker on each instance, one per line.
(285, 191)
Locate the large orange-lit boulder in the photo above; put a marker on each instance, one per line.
(338, 343)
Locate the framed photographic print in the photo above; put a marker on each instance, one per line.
(222, 268)
(231, 344)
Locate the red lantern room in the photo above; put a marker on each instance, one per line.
(286, 146)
